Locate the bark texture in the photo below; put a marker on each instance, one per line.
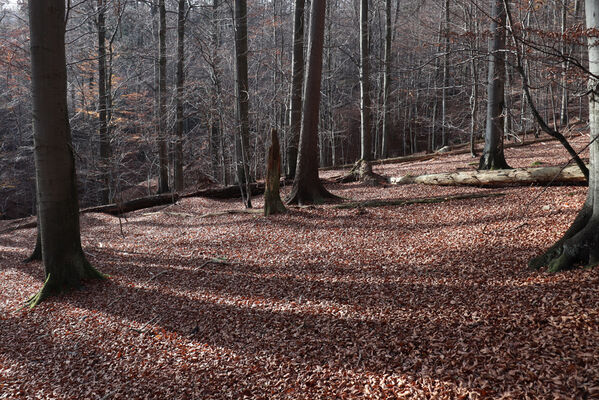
(495, 178)
(181, 16)
(493, 157)
(272, 197)
(307, 188)
(65, 264)
(296, 88)
(580, 244)
(163, 185)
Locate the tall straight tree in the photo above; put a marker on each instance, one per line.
(580, 244)
(242, 94)
(365, 106)
(387, 79)
(163, 186)
(492, 157)
(65, 264)
(181, 17)
(103, 106)
(297, 74)
(307, 188)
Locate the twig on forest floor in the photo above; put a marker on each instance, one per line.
(405, 202)
(155, 276)
(143, 329)
(215, 261)
(109, 394)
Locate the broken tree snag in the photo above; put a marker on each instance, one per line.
(135, 204)
(272, 197)
(502, 177)
(362, 172)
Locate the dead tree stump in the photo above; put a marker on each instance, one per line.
(272, 197)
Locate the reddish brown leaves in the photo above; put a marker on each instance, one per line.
(415, 302)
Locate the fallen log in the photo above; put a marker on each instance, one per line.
(231, 192)
(133, 205)
(495, 178)
(423, 200)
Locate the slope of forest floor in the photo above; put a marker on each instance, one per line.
(424, 301)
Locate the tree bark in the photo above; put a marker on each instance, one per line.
(366, 133)
(307, 188)
(242, 94)
(493, 157)
(102, 107)
(387, 79)
(272, 197)
(179, 178)
(495, 178)
(65, 265)
(580, 244)
(297, 74)
(163, 186)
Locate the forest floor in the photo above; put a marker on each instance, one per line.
(424, 301)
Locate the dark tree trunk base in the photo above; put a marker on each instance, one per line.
(490, 161)
(78, 271)
(316, 194)
(362, 172)
(578, 246)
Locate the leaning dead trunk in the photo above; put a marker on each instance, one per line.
(272, 197)
(64, 262)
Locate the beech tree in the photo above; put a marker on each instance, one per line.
(65, 264)
(307, 188)
(297, 80)
(492, 157)
(580, 244)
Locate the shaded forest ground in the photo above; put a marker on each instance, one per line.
(420, 301)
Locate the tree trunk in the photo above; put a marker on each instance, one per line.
(242, 94)
(296, 87)
(272, 198)
(65, 264)
(387, 79)
(102, 107)
(366, 133)
(492, 157)
(445, 76)
(307, 187)
(179, 178)
(580, 244)
(163, 186)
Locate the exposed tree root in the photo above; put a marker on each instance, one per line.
(70, 277)
(362, 172)
(555, 251)
(316, 194)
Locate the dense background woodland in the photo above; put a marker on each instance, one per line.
(410, 281)
(437, 79)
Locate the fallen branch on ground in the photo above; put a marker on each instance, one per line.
(405, 202)
(133, 205)
(496, 178)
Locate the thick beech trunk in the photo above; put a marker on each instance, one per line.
(307, 188)
(296, 88)
(272, 197)
(65, 264)
(492, 157)
(503, 177)
(580, 244)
